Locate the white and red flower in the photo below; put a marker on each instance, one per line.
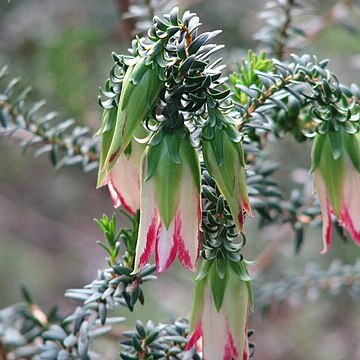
(119, 164)
(220, 334)
(170, 208)
(336, 172)
(224, 159)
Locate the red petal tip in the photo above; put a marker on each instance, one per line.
(194, 337)
(151, 238)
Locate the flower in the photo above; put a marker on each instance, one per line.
(336, 172)
(170, 208)
(221, 325)
(224, 159)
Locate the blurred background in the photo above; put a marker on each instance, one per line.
(62, 48)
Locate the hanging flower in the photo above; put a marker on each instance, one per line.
(219, 315)
(336, 172)
(170, 210)
(224, 159)
(120, 156)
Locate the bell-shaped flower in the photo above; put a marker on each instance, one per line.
(336, 173)
(140, 91)
(224, 159)
(220, 312)
(123, 180)
(170, 208)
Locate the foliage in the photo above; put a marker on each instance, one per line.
(64, 143)
(27, 331)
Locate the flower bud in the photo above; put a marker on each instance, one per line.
(336, 172)
(170, 209)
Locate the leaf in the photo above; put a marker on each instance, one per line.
(240, 271)
(221, 266)
(217, 286)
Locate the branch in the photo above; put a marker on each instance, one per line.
(136, 15)
(278, 31)
(291, 289)
(66, 143)
(127, 25)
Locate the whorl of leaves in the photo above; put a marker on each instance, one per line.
(110, 95)
(191, 82)
(220, 232)
(264, 192)
(22, 325)
(165, 341)
(158, 342)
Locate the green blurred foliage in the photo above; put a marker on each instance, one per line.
(71, 62)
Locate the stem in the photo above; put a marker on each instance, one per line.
(126, 26)
(260, 101)
(279, 50)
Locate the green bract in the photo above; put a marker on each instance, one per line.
(329, 155)
(140, 93)
(224, 159)
(108, 121)
(165, 163)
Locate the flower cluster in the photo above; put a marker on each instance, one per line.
(166, 114)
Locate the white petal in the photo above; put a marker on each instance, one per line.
(217, 339)
(114, 195)
(165, 247)
(350, 212)
(188, 221)
(148, 226)
(124, 178)
(236, 307)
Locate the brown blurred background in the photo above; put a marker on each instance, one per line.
(47, 234)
